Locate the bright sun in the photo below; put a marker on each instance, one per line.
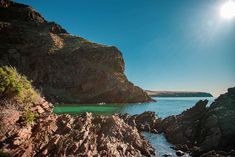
(227, 11)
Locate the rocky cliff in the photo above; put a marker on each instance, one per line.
(65, 68)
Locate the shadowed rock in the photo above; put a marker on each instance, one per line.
(182, 129)
(204, 130)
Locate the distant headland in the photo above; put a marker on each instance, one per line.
(177, 94)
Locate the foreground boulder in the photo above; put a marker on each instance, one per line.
(146, 121)
(65, 68)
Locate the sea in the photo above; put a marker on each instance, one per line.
(163, 107)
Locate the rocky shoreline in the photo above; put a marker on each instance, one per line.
(202, 131)
(28, 127)
(70, 69)
(66, 135)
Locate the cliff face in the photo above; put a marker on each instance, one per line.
(64, 67)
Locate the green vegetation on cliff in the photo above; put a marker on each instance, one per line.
(17, 97)
(29, 116)
(2, 153)
(15, 87)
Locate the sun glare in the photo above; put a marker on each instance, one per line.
(227, 11)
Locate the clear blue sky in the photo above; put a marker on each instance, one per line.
(166, 44)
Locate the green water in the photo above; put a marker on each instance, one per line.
(163, 107)
(98, 109)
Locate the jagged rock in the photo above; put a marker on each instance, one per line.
(65, 68)
(179, 153)
(202, 129)
(147, 120)
(180, 129)
(218, 125)
(83, 135)
(214, 153)
(40, 109)
(167, 155)
(22, 135)
(144, 122)
(8, 118)
(45, 105)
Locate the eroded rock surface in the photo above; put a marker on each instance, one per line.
(83, 135)
(65, 68)
(146, 121)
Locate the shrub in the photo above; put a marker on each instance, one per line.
(29, 115)
(2, 153)
(16, 87)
